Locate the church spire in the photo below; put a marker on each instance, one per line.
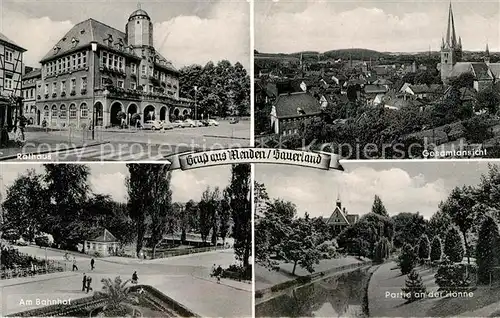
(487, 50)
(451, 37)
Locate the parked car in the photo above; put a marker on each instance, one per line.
(153, 125)
(234, 120)
(168, 125)
(178, 123)
(199, 123)
(212, 122)
(190, 123)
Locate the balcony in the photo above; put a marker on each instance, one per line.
(73, 92)
(112, 70)
(158, 96)
(63, 94)
(83, 91)
(54, 95)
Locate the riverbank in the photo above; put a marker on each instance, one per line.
(289, 282)
(387, 281)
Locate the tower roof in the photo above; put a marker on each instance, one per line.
(139, 13)
(451, 37)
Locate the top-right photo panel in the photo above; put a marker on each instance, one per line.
(379, 80)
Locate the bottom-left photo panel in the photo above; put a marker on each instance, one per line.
(117, 240)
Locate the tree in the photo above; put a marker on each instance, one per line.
(24, 204)
(159, 204)
(459, 206)
(382, 250)
(300, 246)
(407, 259)
(487, 250)
(120, 301)
(139, 183)
(67, 190)
(453, 245)
(424, 247)
(436, 249)
(439, 223)
(239, 194)
(224, 216)
(408, 228)
(378, 207)
(488, 100)
(414, 287)
(208, 206)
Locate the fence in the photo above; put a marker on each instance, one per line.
(187, 251)
(50, 266)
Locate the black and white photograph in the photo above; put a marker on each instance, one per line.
(122, 80)
(125, 240)
(380, 239)
(379, 79)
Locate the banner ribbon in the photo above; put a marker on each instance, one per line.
(194, 160)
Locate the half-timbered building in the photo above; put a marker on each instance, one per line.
(11, 70)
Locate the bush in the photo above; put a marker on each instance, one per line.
(382, 250)
(414, 287)
(97, 254)
(328, 249)
(453, 245)
(452, 277)
(407, 259)
(259, 294)
(236, 272)
(436, 249)
(487, 249)
(42, 241)
(424, 247)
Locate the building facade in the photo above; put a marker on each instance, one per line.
(30, 82)
(11, 70)
(105, 244)
(96, 71)
(340, 218)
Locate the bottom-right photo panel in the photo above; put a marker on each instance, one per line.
(379, 239)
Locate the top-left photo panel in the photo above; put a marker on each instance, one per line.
(120, 80)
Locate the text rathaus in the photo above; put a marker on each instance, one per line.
(95, 65)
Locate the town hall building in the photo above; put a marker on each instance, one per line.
(485, 73)
(98, 71)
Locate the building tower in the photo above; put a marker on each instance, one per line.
(451, 49)
(487, 55)
(139, 31)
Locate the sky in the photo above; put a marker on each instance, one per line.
(109, 178)
(185, 32)
(403, 186)
(389, 26)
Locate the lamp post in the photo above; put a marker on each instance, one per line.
(195, 105)
(93, 46)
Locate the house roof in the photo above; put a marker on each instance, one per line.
(480, 70)
(6, 40)
(337, 217)
(495, 69)
(289, 105)
(352, 218)
(104, 236)
(33, 74)
(139, 13)
(420, 89)
(375, 89)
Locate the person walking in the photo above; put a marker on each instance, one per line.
(134, 278)
(92, 262)
(84, 282)
(89, 281)
(74, 264)
(219, 273)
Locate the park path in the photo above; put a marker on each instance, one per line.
(388, 279)
(184, 279)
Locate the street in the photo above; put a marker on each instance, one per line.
(129, 145)
(186, 279)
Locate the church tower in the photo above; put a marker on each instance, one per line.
(451, 49)
(487, 55)
(139, 29)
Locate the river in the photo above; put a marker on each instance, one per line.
(336, 296)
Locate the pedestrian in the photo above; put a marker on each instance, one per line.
(89, 281)
(84, 282)
(92, 262)
(212, 273)
(219, 273)
(134, 278)
(74, 264)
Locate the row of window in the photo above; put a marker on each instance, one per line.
(72, 85)
(9, 56)
(289, 132)
(65, 64)
(114, 61)
(29, 93)
(9, 82)
(84, 111)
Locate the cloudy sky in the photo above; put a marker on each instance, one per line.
(185, 32)
(403, 186)
(109, 178)
(394, 26)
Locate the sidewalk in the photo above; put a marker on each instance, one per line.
(37, 278)
(45, 142)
